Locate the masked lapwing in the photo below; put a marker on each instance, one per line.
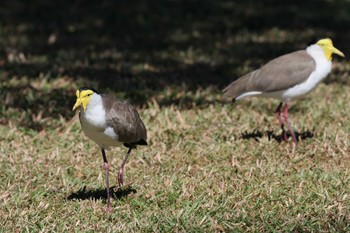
(110, 122)
(286, 77)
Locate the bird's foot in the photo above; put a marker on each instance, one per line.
(109, 209)
(295, 141)
(285, 138)
(120, 178)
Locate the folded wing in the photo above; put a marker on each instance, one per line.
(125, 120)
(279, 74)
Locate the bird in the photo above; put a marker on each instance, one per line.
(109, 122)
(286, 77)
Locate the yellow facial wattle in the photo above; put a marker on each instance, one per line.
(328, 48)
(83, 98)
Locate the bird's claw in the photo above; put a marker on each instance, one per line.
(109, 209)
(120, 178)
(285, 137)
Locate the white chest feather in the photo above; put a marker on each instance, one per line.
(323, 68)
(93, 122)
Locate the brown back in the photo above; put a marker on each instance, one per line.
(124, 119)
(279, 74)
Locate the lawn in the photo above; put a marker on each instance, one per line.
(210, 166)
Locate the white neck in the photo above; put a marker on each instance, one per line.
(95, 115)
(323, 65)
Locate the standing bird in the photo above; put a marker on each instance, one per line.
(286, 77)
(109, 122)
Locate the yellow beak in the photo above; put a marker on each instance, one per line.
(77, 104)
(336, 51)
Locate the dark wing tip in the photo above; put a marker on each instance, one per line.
(141, 142)
(228, 92)
(227, 97)
(233, 100)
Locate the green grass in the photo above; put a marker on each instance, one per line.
(209, 166)
(198, 174)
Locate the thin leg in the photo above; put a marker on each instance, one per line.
(285, 114)
(109, 207)
(278, 112)
(120, 173)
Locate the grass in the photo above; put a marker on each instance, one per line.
(209, 166)
(200, 173)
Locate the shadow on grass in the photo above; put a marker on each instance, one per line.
(98, 194)
(257, 134)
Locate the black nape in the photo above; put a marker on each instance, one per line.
(312, 41)
(88, 88)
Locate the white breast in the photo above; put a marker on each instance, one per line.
(323, 68)
(94, 124)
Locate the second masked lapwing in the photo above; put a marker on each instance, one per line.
(286, 77)
(109, 122)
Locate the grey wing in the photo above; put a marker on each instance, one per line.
(285, 72)
(126, 122)
(279, 74)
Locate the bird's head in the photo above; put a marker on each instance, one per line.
(83, 97)
(328, 48)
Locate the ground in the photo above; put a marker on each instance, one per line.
(210, 166)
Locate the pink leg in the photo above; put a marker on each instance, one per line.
(109, 207)
(278, 112)
(121, 170)
(285, 114)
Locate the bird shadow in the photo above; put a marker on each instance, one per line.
(271, 135)
(98, 194)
